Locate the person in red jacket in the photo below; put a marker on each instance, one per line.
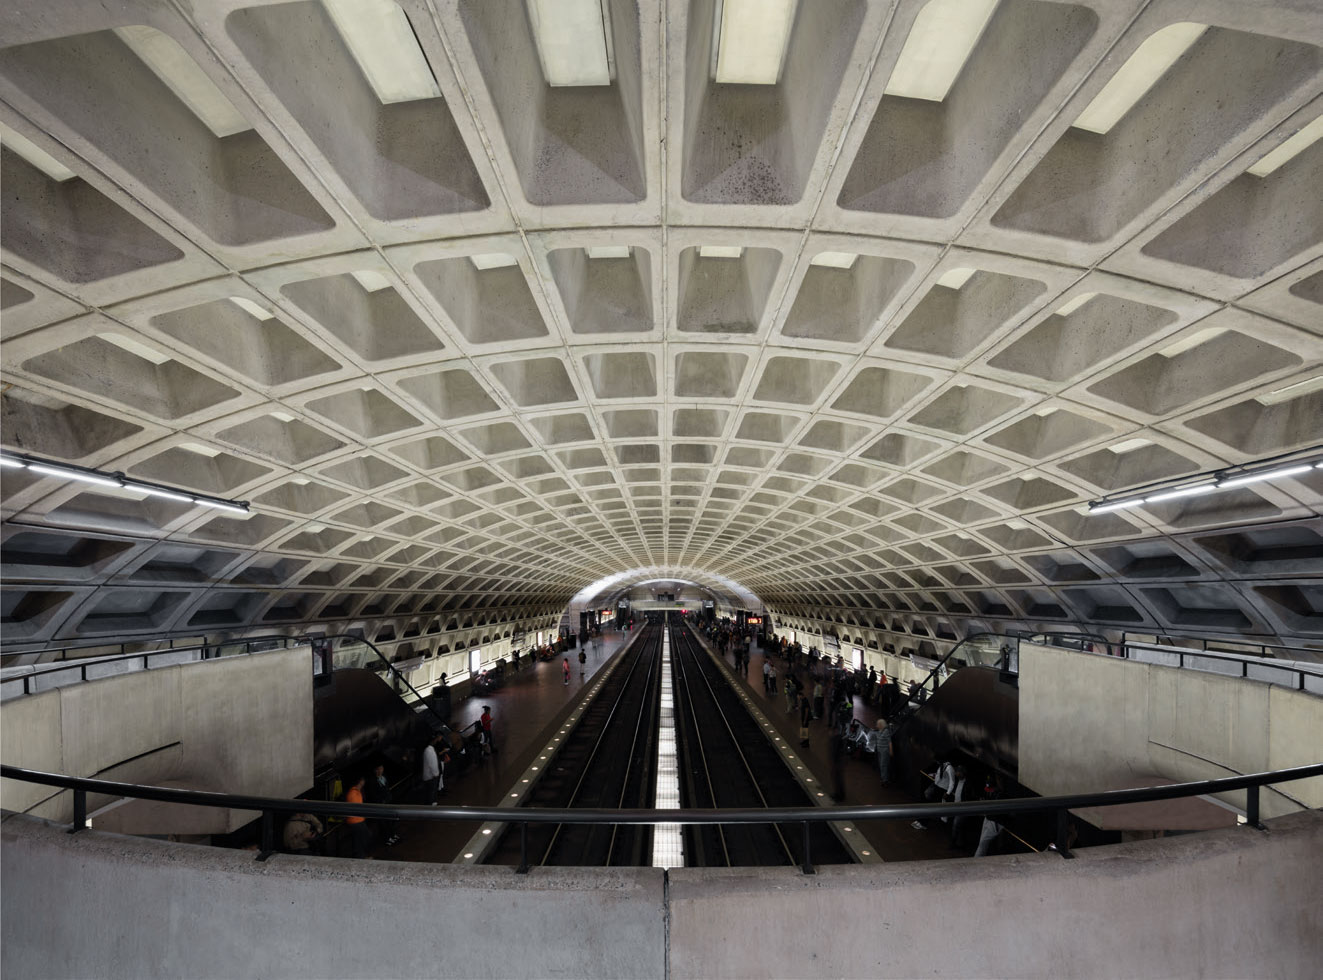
(488, 743)
(566, 665)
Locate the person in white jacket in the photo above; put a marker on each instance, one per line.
(431, 774)
(944, 784)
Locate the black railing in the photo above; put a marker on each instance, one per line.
(270, 806)
(1246, 664)
(79, 668)
(204, 651)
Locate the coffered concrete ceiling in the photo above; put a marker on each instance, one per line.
(862, 333)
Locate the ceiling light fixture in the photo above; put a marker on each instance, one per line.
(1278, 474)
(1229, 478)
(117, 481)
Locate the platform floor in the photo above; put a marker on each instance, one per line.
(526, 710)
(893, 840)
(535, 701)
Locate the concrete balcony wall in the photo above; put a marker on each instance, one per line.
(1089, 722)
(1225, 903)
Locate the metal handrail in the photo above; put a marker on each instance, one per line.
(81, 664)
(269, 806)
(1301, 669)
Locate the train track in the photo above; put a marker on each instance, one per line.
(726, 760)
(607, 761)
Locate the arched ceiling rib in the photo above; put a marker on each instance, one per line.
(854, 349)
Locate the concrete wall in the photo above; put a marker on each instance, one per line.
(1226, 903)
(236, 725)
(1089, 722)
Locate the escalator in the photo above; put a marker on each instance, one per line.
(357, 715)
(359, 711)
(974, 715)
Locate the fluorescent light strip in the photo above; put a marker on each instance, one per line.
(943, 37)
(69, 474)
(573, 41)
(751, 37)
(1196, 490)
(1277, 474)
(667, 842)
(35, 155)
(173, 65)
(1183, 492)
(117, 481)
(1140, 73)
(720, 251)
(382, 41)
(1115, 505)
(1287, 151)
(157, 492)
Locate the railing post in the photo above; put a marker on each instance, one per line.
(80, 811)
(807, 866)
(1252, 807)
(1063, 834)
(523, 849)
(268, 846)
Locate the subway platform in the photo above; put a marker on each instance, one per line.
(535, 701)
(526, 710)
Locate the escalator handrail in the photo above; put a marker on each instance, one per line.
(389, 666)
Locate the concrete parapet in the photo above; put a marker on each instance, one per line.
(1225, 903)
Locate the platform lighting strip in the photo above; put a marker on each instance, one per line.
(117, 481)
(667, 844)
(1226, 479)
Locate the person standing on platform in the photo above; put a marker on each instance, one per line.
(767, 676)
(817, 698)
(883, 750)
(805, 716)
(565, 665)
(377, 790)
(792, 699)
(359, 836)
(431, 774)
(583, 662)
(488, 741)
